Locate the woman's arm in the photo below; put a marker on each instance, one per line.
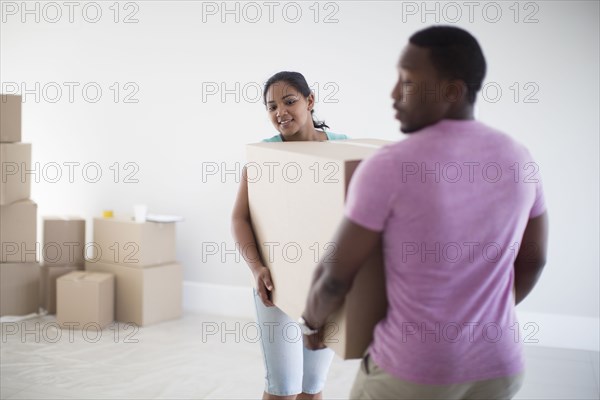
(241, 228)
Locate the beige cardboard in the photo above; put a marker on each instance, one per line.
(64, 241)
(15, 182)
(296, 205)
(83, 298)
(19, 288)
(145, 295)
(10, 118)
(127, 242)
(48, 276)
(18, 229)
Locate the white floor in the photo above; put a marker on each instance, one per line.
(181, 359)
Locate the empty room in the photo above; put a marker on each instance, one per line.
(299, 199)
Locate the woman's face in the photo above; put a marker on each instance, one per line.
(288, 109)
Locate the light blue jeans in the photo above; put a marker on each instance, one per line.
(290, 368)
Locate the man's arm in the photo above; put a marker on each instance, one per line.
(334, 275)
(532, 256)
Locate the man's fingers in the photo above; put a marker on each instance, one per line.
(313, 342)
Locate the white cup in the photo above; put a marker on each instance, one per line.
(139, 212)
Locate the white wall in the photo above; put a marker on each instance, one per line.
(172, 132)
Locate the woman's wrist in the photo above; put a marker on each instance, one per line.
(257, 268)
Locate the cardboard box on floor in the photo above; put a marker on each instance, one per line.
(83, 298)
(10, 118)
(48, 276)
(297, 192)
(18, 232)
(144, 295)
(16, 161)
(19, 288)
(127, 242)
(64, 241)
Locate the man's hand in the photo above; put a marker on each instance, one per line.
(316, 341)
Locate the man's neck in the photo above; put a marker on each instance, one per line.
(466, 112)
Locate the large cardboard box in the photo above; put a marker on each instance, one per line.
(18, 229)
(15, 181)
(85, 300)
(146, 295)
(48, 276)
(64, 241)
(297, 192)
(10, 118)
(128, 242)
(19, 288)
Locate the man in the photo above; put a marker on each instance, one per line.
(459, 210)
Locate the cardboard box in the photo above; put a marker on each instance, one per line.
(48, 276)
(83, 298)
(18, 229)
(128, 242)
(19, 288)
(15, 183)
(10, 118)
(64, 241)
(144, 295)
(297, 192)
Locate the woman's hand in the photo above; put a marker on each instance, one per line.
(264, 285)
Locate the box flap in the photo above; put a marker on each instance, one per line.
(342, 150)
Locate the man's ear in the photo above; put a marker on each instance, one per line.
(454, 90)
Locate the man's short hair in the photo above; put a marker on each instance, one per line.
(455, 54)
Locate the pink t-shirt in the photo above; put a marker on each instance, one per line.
(452, 201)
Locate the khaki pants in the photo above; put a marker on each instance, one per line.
(374, 383)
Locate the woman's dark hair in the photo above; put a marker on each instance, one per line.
(455, 54)
(297, 81)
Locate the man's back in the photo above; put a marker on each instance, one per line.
(453, 201)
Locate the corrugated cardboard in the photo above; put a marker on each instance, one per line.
(48, 276)
(128, 242)
(19, 288)
(18, 229)
(10, 118)
(64, 241)
(144, 295)
(296, 204)
(83, 298)
(15, 182)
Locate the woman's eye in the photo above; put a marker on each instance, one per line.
(271, 108)
(290, 102)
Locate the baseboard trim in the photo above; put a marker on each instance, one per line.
(215, 299)
(536, 329)
(563, 331)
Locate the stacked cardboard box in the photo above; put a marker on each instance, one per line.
(148, 280)
(295, 213)
(62, 252)
(95, 296)
(19, 270)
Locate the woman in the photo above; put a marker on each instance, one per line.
(291, 369)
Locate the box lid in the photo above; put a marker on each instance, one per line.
(343, 150)
(62, 218)
(86, 276)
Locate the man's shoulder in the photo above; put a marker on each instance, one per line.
(384, 158)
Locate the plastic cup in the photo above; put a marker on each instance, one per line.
(139, 212)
